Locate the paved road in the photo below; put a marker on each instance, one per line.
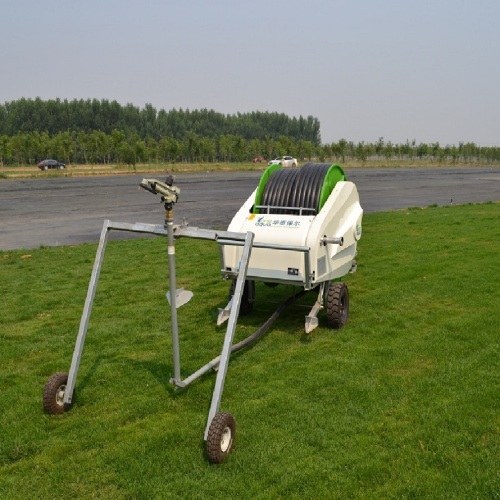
(67, 211)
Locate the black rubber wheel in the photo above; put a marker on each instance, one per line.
(337, 305)
(53, 394)
(246, 304)
(220, 437)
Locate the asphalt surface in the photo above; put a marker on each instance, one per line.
(69, 211)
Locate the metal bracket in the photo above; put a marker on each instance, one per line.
(333, 241)
(224, 313)
(181, 297)
(312, 317)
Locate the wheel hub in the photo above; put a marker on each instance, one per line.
(60, 395)
(225, 439)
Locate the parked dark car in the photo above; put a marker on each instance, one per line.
(45, 164)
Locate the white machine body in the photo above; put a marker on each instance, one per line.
(308, 258)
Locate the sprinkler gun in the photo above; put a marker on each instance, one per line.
(169, 193)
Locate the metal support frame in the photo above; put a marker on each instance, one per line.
(89, 301)
(231, 327)
(84, 322)
(170, 232)
(169, 221)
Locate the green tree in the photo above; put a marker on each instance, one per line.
(361, 151)
(389, 150)
(226, 147)
(118, 146)
(5, 150)
(208, 149)
(191, 147)
(152, 150)
(168, 149)
(342, 149)
(380, 146)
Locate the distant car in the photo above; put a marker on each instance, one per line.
(46, 164)
(284, 161)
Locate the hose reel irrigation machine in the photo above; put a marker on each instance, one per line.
(299, 227)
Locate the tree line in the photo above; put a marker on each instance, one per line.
(103, 132)
(465, 152)
(96, 147)
(56, 116)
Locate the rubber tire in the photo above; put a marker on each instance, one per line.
(220, 437)
(337, 305)
(246, 307)
(53, 394)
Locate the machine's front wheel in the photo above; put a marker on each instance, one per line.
(337, 305)
(53, 394)
(220, 437)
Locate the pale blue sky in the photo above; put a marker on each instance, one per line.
(400, 69)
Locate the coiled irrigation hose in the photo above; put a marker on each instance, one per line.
(291, 189)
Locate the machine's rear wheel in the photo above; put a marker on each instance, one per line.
(53, 394)
(220, 437)
(246, 305)
(337, 305)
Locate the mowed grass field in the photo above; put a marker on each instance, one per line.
(401, 403)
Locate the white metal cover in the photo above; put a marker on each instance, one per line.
(340, 216)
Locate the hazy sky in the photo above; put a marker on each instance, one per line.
(427, 70)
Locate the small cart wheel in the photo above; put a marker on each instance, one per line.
(337, 305)
(53, 394)
(220, 437)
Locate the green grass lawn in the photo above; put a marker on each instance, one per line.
(401, 403)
